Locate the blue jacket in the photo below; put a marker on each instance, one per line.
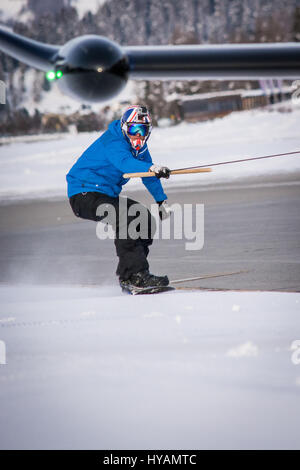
(101, 167)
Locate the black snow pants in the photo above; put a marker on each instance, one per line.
(132, 252)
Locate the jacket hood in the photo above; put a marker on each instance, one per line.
(115, 128)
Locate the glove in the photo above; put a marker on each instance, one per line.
(163, 210)
(160, 171)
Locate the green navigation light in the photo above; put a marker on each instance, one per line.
(50, 75)
(59, 74)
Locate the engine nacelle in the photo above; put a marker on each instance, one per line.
(94, 68)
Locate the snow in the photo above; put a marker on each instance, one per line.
(83, 7)
(38, 169)
(246, 349)
(91, 367)
(12, 8)
(52, 101)
(9, 8)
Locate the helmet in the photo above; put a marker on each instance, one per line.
(136, 121)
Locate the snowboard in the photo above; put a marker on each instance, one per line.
(133, 290)
(146, 290)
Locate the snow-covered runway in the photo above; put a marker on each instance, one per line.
(94, 368)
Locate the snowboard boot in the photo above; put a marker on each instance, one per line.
(144, 279)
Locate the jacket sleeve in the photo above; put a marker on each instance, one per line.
(122, 159)
(152, 183)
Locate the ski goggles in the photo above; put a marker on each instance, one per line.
(138, 128)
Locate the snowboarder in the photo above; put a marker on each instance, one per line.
(97, 178)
